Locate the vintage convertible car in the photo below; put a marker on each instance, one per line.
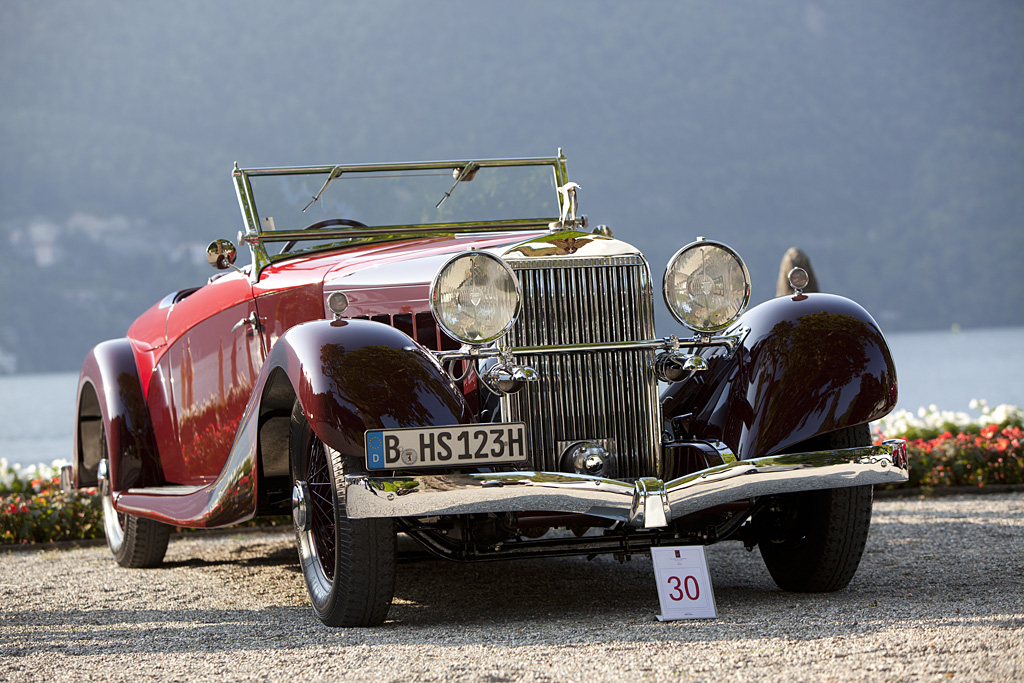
(445, 350)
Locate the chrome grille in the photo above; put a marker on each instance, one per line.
(608, 396)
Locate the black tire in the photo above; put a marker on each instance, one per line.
(812, 541)
(134, 541)
(348, 564)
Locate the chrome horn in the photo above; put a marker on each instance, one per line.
(507, 378)
(673, 365)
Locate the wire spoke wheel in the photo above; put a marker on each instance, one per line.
(348, 564)
(321, 503)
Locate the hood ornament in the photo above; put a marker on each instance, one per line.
(568, 217)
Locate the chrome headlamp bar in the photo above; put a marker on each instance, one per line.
(671, 365)
(730, 341)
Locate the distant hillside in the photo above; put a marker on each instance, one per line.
(885, 139)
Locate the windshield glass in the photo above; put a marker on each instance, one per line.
(401, 197)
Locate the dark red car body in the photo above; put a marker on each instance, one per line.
(190, 419)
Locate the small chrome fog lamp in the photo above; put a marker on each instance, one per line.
(590, 458)
(475, 297)
(706, 286)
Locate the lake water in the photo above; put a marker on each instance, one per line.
(945, 368)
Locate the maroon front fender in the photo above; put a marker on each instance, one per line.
(349, 376)
(810, 364)
(355, 375)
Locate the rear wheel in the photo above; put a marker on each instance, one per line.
(348, 564)
(812, 541)
(134, 541)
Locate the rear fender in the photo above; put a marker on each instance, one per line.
(110, 394)
(809, 365)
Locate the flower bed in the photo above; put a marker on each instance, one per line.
(33, 509)
(954, 449)
(945, 448)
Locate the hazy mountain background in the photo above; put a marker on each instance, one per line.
(884, 138)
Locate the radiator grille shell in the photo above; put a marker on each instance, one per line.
(605, 396)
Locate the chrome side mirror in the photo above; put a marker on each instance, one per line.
(221, 254)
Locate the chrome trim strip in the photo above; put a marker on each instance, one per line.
(648, 502)
(584, 260)
(250, 234)
(406, 166)
(395, 230)
(172, 490)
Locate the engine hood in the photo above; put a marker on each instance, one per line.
(398, 280)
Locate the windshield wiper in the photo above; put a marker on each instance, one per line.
(334, 175)
(466, 174)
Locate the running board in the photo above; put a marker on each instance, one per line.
(199, 507)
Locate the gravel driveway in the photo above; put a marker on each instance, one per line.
(938, 596)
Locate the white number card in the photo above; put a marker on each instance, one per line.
(684, 585)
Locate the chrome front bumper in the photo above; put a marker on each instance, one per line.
(648, 503)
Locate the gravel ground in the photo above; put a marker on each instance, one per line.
(938, 596)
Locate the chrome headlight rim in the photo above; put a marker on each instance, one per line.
(668, 294)
(435, 292)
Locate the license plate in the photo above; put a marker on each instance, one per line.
(478, 445)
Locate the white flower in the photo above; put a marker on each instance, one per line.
(900, 421)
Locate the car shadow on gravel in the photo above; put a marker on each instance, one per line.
(285, 558)
(602, 593)
(141, 631)
(961, 571)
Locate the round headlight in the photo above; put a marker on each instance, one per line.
(706, 286)
(475, 297)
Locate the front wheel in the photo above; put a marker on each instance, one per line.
(348, 564)
(812, 541)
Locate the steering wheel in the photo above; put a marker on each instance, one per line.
(348, 222)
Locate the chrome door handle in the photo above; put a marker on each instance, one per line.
(251, 320)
